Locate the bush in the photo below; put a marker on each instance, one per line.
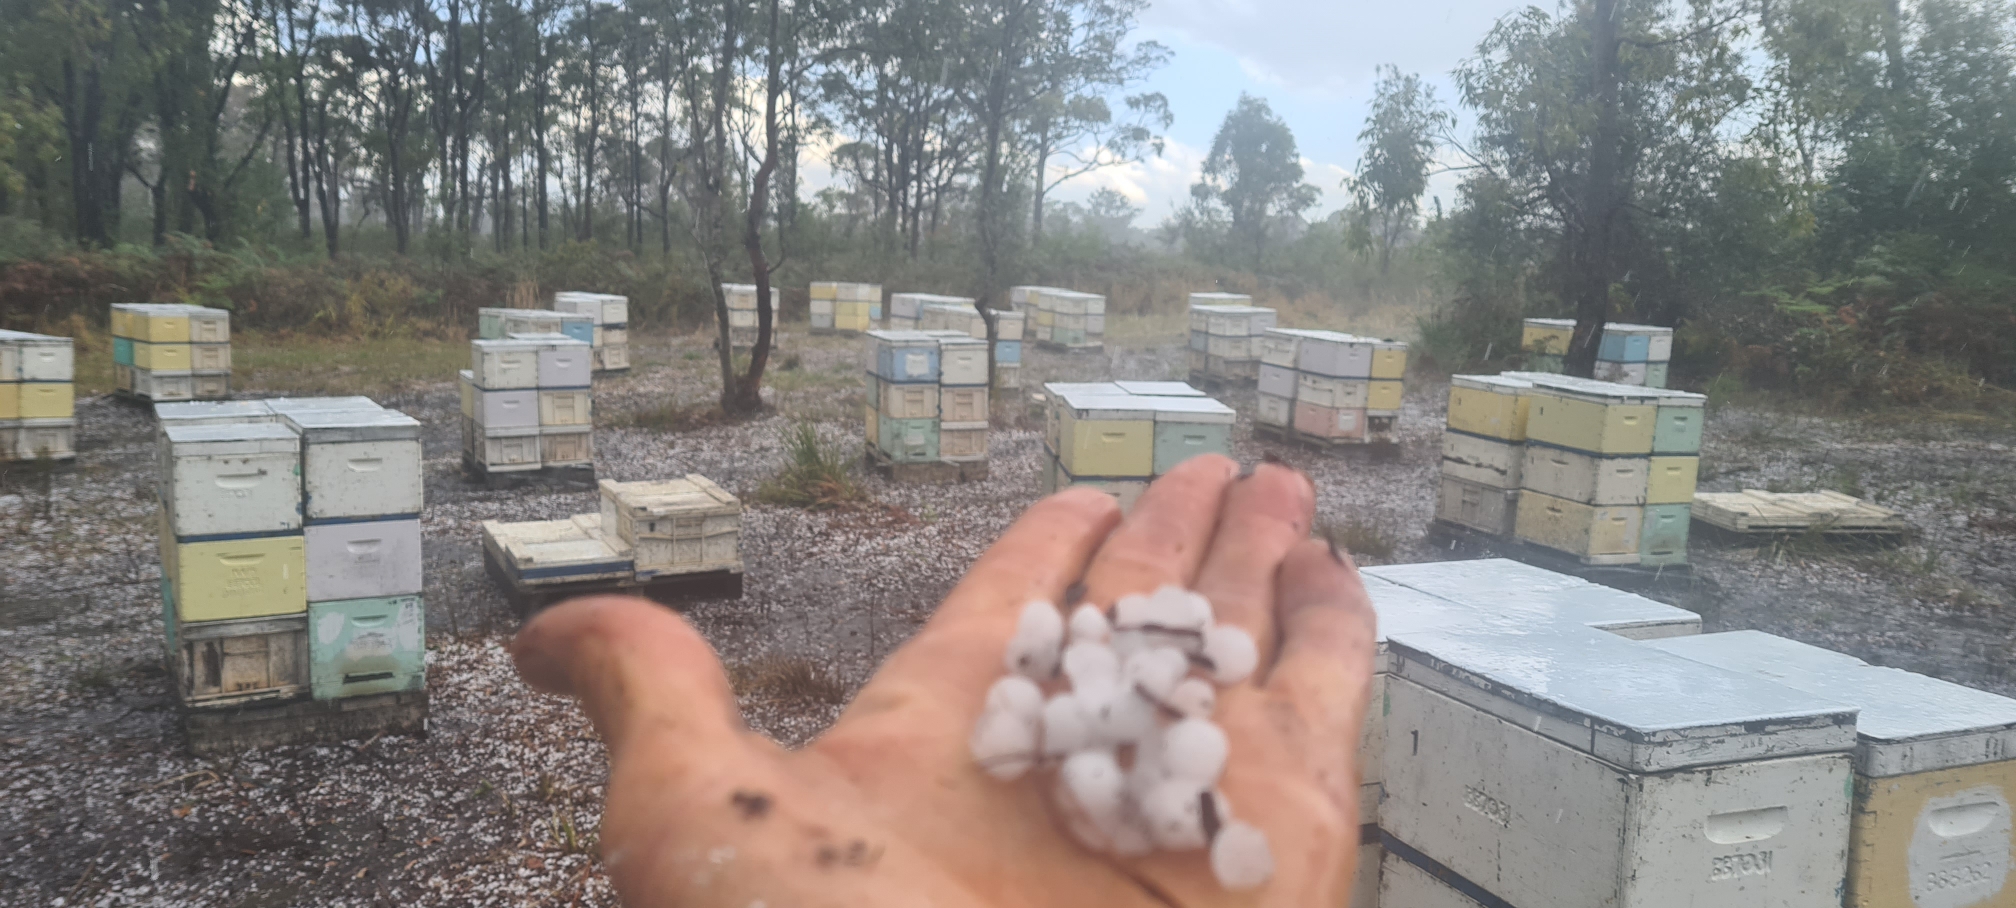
(815, 476)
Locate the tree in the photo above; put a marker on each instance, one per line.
(1254, 175)
(1081, 58)
(1399, 139)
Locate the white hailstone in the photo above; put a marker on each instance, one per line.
(1129, 836)
(1231, 653)
(1156, 672)
(1038, 635)
(1127, 643)
(1195, 698)
(1194, 749)
(1174, 812)
(1091, 665)
(1067, 726)
(1089, 625)
(1240, 858)
(1179, 607)
(1092, 783)
(1123, 717)
(1004, 744)
(1016, 695)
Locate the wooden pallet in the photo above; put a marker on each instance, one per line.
(668, 589)
(582, 475)
(1633, 577)
(1287, 435)
(1752, 511)
(233, 730)
(937, 472)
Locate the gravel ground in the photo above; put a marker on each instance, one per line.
(498, 804)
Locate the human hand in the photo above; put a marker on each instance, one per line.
(887, 808)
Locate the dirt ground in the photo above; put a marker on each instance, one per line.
(499, 802)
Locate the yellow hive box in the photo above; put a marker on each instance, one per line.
(1384, 395)
(240, 578)
(1590, 422)
(10, 400)
(44, 400)
(158, 327)
(1493, 406)
(825, 290)
(1389, 360)
(1547, 335)
(1672, 480)
(1105, 435)
(1598, 535)
(122, 323)
(155, 357)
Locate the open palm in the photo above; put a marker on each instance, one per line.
(887, 807)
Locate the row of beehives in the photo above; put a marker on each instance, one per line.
(38, 397)
(742, 315)
(528, 400)
(840, 306)
(1009, 329)
(1601, 471)
(1329, 387)
(1068, 319)
(1224, 333)
(1627, 354)
(170, 351)
(611, 335)
(290, 550)
(927, 396)
(1535, 739)
(1118, 436)
(644, 530)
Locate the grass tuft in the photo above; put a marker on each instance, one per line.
(815, 475)
(1360, 538)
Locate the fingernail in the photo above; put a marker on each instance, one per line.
(1245, 472)
(1073, 594)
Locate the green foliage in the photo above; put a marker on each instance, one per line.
(1251, 187)
(815, 475)
(1399, 142)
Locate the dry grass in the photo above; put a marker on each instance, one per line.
(1359, 538)
(786, 678)
(815, 477)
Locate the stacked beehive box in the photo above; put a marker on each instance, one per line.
(1934, 774)
(1567, 767)
(290, 551)
(852, 308)
(1330, 387)
(742, 315)
(171, 351)
(645, 534)
(1119, 436)
(528, 404)
(1495, 595)
(1023, 298)
(1225, 331)
(1608, 471)
(38, 400)
(498, 324)
(1068, 319)
(1008, 331)
(963, 398)
(1628, 354)
(906, 310)
(902, 385)
(1483, 450)
(611, 314)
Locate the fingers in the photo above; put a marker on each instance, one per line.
(633, 664)
(1324, 673)
(1045, 551)
(1266, 515)
(1164, 539)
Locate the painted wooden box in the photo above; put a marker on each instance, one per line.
(1188, 426)
(1336, 393)
(1279, 381)
(1583, 477)
(1329, 423)
(219, 664)
(1663, 540)
(962, 441)
(1335, 355)
(1125, 491)
(1676, 427)
(507, 450)
(37, 357)
(962, 359)
(1490, 462)
(962, 403)
(1597, 535)
(1106, 436)
(159, 386)
(1389, 360)
(514, 409)
(358, 463)
(905, 400)
(561, 446)
(612, 357)
(1493, 406)
(503, 365)
(237, 578)
(162, 357)
(1549, 336)
(213, 413)
(1585, 415)
(902, 356)
(47, 400)
(1274, 410)
(674, 526)
(558, 551)
(358, 647)
(363, 560)
(1476, 505)
(907, 440)
(230, 480)
(210, 357)
(210, 385)
(208, 326)
(1671, 480)
(1384, 397)
(40, 439)
(566, 407)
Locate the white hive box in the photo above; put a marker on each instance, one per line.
(1583, 477)
(1238, 321)
(36, 357)
(1666, 782)
(1486, 461)
(1219, 299)
(208, 326)
(230, 480)
(1934, 764)
(503, 365)
(358, 463)
(513, 409)
(168, 386)
(505, 450)
(1274, 410)
(962, 404)
(605, 308)
(962, 441)
(675, 526)
(1334, 355)
(1277, 381)
(566, 407)
(556, 551)
(213, 413)
(363, 560)
(1282, 346)
(962, 359)
(1021, 297)
(560, 361)
(286, 405)
(1335, 393)
(561, 446)
(612, 357)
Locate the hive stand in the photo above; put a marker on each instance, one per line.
(665, 589)
(1828, 512)
(577, 475)
(1378, 437)
(937, 472)
(219, 732)
(1636, 578)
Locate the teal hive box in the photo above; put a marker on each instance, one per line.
(367, 646)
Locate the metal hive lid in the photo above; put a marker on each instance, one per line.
(1609, 392)
(513, 344)
(284, 405)
(332, 426)
(1529, 595)
(1552, 322)
(1190, 410)
(1158, 388)
(548, 339)
(903, 338)
(1061, 388)
(1219, 297)
(1909, 722)
(230, 438)
(169, 413)
(1110, 406)
(1505, 382)
(1636, 707)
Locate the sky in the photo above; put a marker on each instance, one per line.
(1314, 62)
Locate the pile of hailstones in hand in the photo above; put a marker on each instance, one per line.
(1130, 735)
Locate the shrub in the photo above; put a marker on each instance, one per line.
(815, 475)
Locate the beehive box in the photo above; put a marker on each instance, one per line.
(516, 408)
(235, 578)
(1106, 435)
(548, 552)
(27, 357)
(563, 446)
(559, 361)
(1594, 534)
(1628, 343)
(1506, 752)
(1187, 426)
(1490, 406)
(902, 356)
(498, 324)
(1333, 354)
(675, 526)
(504, 365)
(230, 479)
(1547, 336)
(1126, 491)
(566, 407)
(1592, 416)
(220, 664)
(360, 647)
(1934, 774)
(1586, 478)
(358, 463)
(1476, 505)
(905, 400)
(605, 308)
(1487, 462)
(610, 316)
(370, 559)
(213, 413)
(1330, 423)
(962, 359)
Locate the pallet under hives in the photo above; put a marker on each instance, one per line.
(670, 541)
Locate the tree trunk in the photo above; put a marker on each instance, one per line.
(1602, 199)
(1042, 181)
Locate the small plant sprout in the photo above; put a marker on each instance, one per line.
(1126, 726)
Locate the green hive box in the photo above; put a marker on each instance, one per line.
(1655, 375)
(367, 646)
(908, 440)
(1176, 442)
(1664, 537)
(122, 351)
(1677, 430)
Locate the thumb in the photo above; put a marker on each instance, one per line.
(633, 664)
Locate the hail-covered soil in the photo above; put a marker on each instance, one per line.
(498, 804)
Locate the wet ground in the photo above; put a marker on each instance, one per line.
(100, 804)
